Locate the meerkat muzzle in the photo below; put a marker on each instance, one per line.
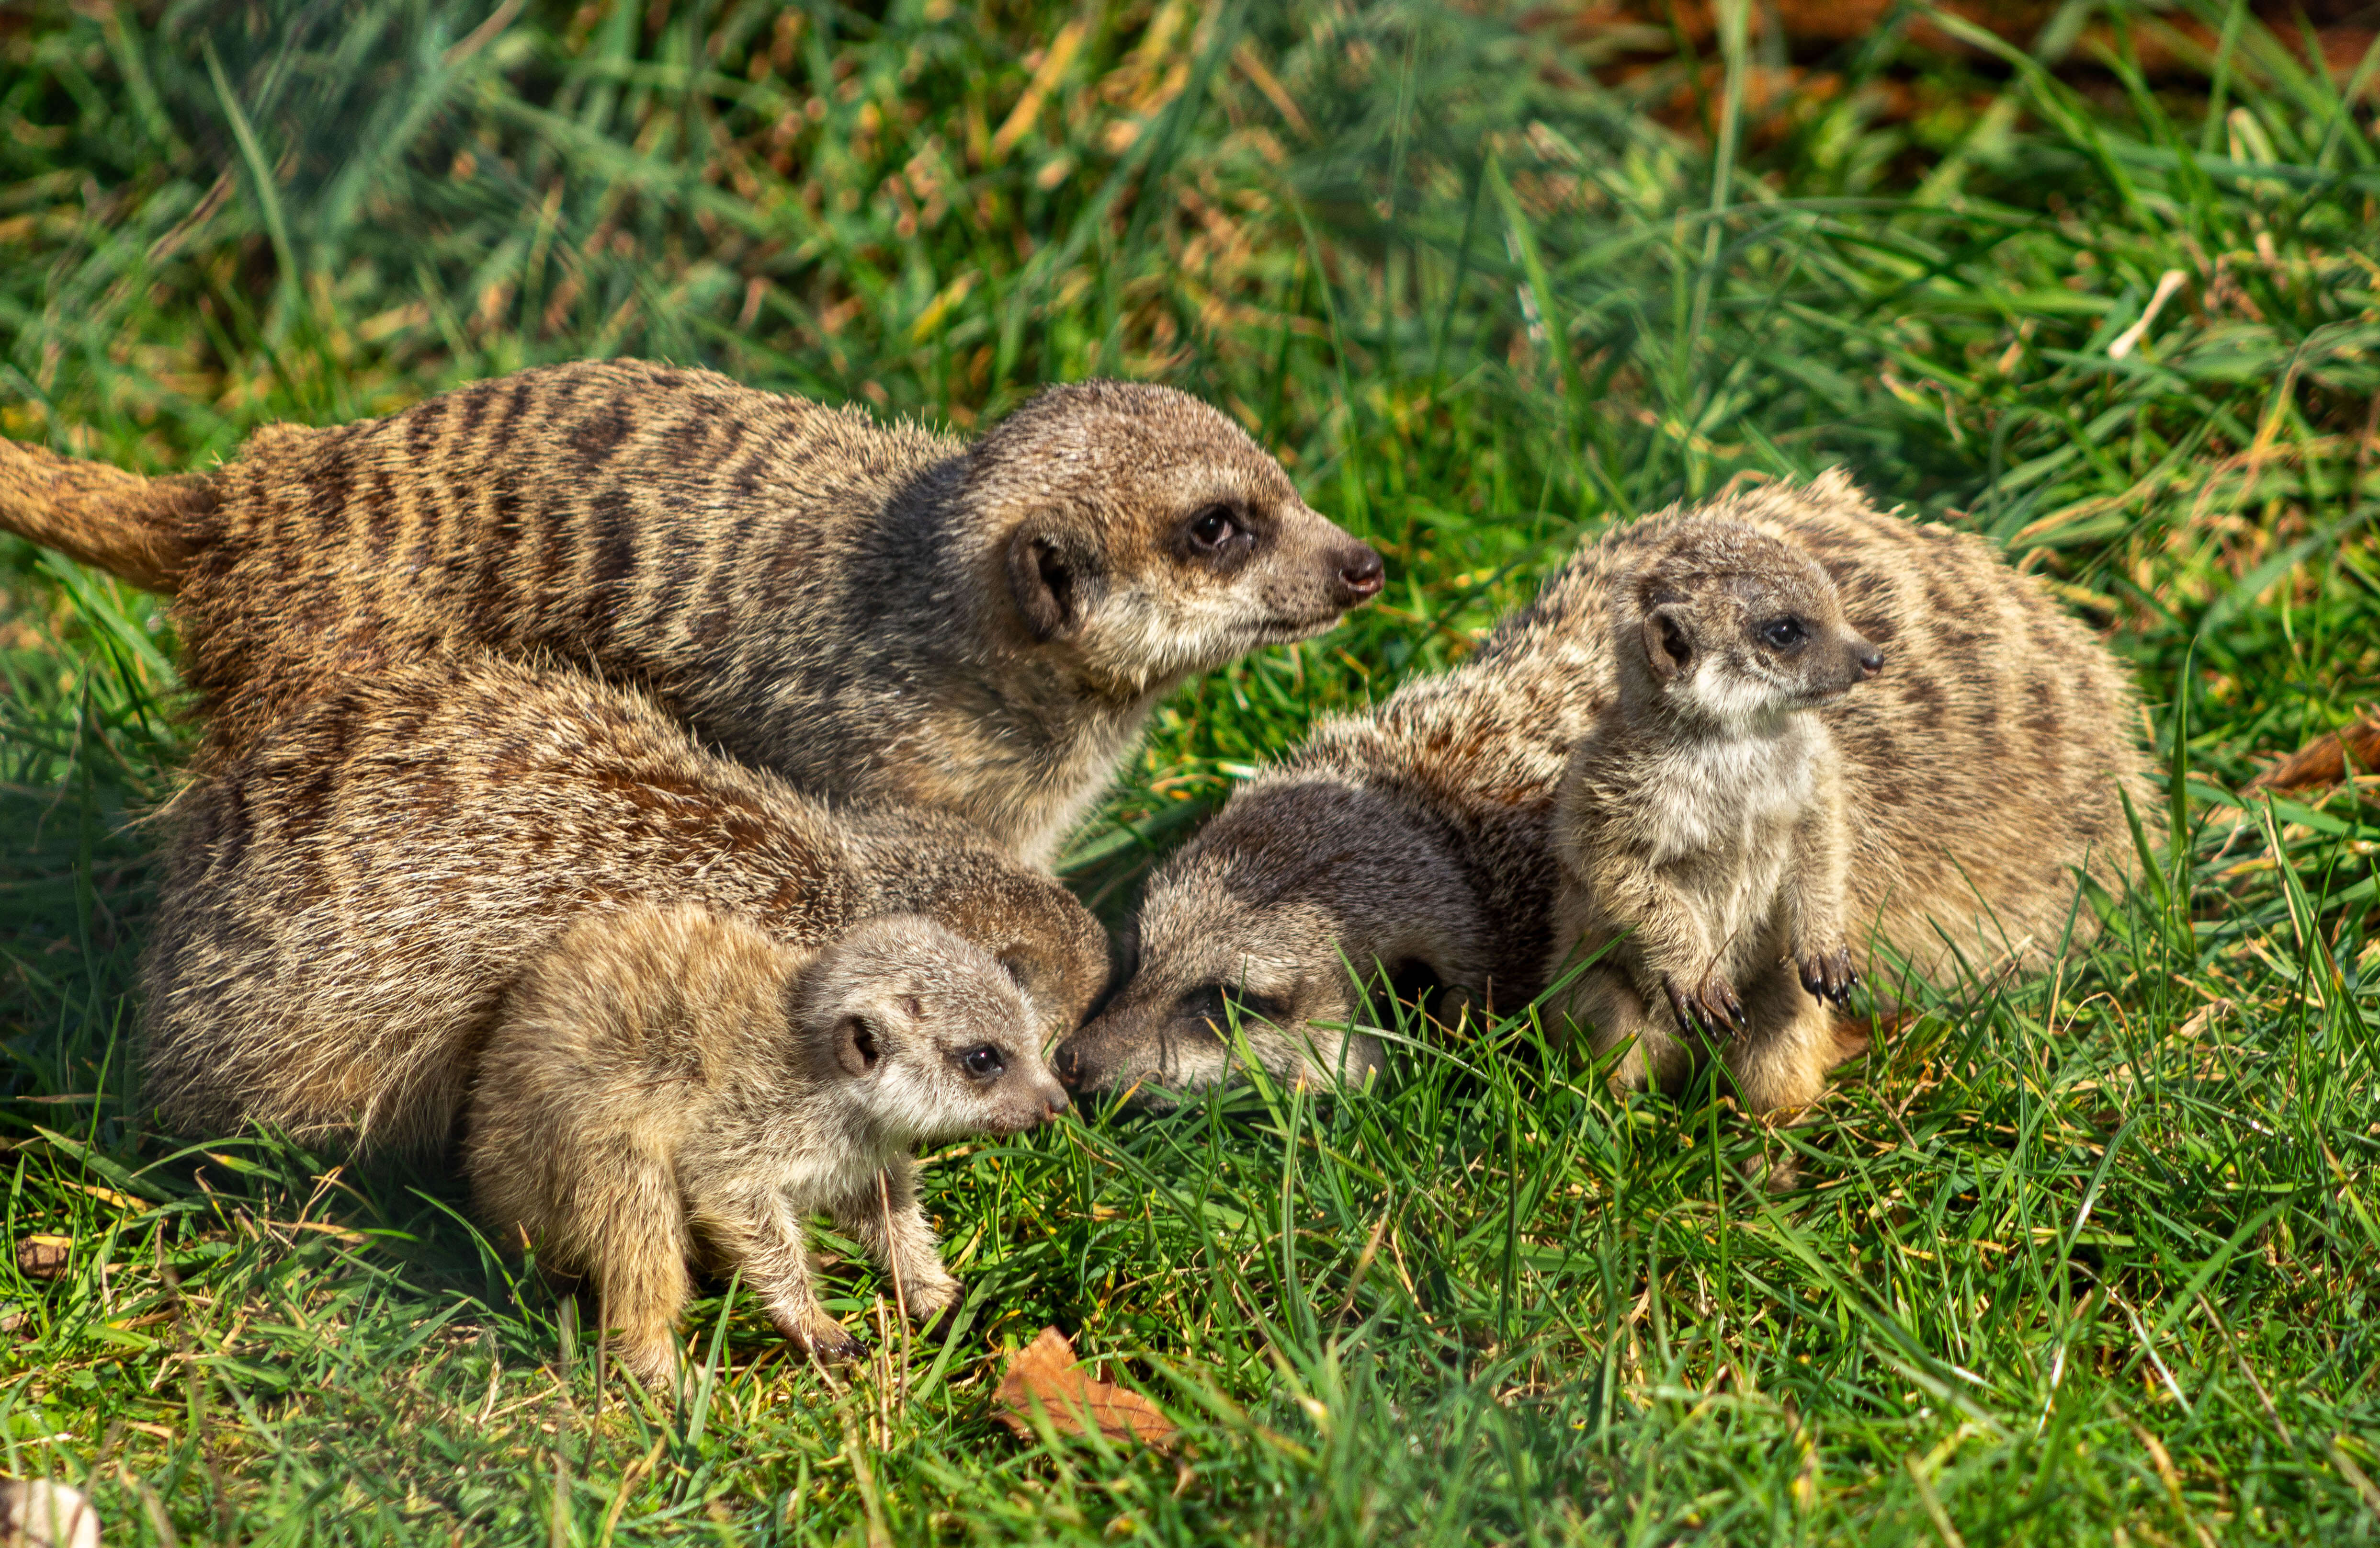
(1361, 575)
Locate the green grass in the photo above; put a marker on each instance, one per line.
(2087, 1258)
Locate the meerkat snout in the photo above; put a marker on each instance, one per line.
(1361, 573)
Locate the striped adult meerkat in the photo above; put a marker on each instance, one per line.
(671, 1088)
(878, 613)
(347, 901)
(1980, 773)
(1702, 829)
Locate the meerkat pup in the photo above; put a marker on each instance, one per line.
(667, 1088)
(875, 613)
(1981, 776)
(346, 900)
(1702, 830)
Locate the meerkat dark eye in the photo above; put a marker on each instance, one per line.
(1211, 529)
(984, 1063)
(1783, 634)
(1258, 1008)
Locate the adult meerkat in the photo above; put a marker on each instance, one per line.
(1702, 829)
(667, 1087)
(1980, 773)
(875, 613)
(347, 901)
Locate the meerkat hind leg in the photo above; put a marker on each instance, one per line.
(639, 1241)
(1780, 1057)
(1615, 1012)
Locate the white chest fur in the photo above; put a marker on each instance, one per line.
(1729, 795)
(1723, 812)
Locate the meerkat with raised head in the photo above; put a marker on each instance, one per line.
(1982, 775)
(346, 902)
(1702, 829)
(671, 1088)
(875, 613)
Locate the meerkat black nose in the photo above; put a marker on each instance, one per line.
(1361, 576)
(1066, 1065)
(1055, 1100)
(1871, 662)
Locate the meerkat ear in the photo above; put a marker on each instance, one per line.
(1042, 583)
(1667, 645)
(856, 1048)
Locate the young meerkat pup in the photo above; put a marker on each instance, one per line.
(345, 902)
(875, 613)
(1702, 829)
(668, 1087)
(1980, 774)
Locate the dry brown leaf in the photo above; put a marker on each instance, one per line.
(41, 1256)
(2324, 760)
(1045, 1374)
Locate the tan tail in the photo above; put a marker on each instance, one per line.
(144, 530)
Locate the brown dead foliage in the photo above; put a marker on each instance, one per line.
(2324, 760)
(1045, 1375)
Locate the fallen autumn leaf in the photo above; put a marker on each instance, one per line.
(2324, 760)
(1045, 1374)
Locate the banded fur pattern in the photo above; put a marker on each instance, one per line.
(348, 898)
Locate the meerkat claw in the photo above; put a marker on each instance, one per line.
(1711, 1006)
(1829, 975)
(830, 1346)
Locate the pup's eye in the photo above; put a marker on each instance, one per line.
(1784, 634)
(984, 1063)
(1212, 528)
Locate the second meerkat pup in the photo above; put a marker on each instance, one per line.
(1702, 829)
(875, 611)
(670, 1088)
(345, 902)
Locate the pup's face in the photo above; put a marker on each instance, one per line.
(929, 1030)
(1147, 538)
(1294, 891)
(1737, 627)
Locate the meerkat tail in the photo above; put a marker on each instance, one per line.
(143, 529)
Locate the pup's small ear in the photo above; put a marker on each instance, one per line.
(1043, 584)
(1669, 644)
(856, 1048)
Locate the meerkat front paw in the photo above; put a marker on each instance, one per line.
(927, 1301)
(937, 1308)
(1829, 974)
(1709, 1006)
(821, 1336)
(651, 1358)
(833, 1346)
